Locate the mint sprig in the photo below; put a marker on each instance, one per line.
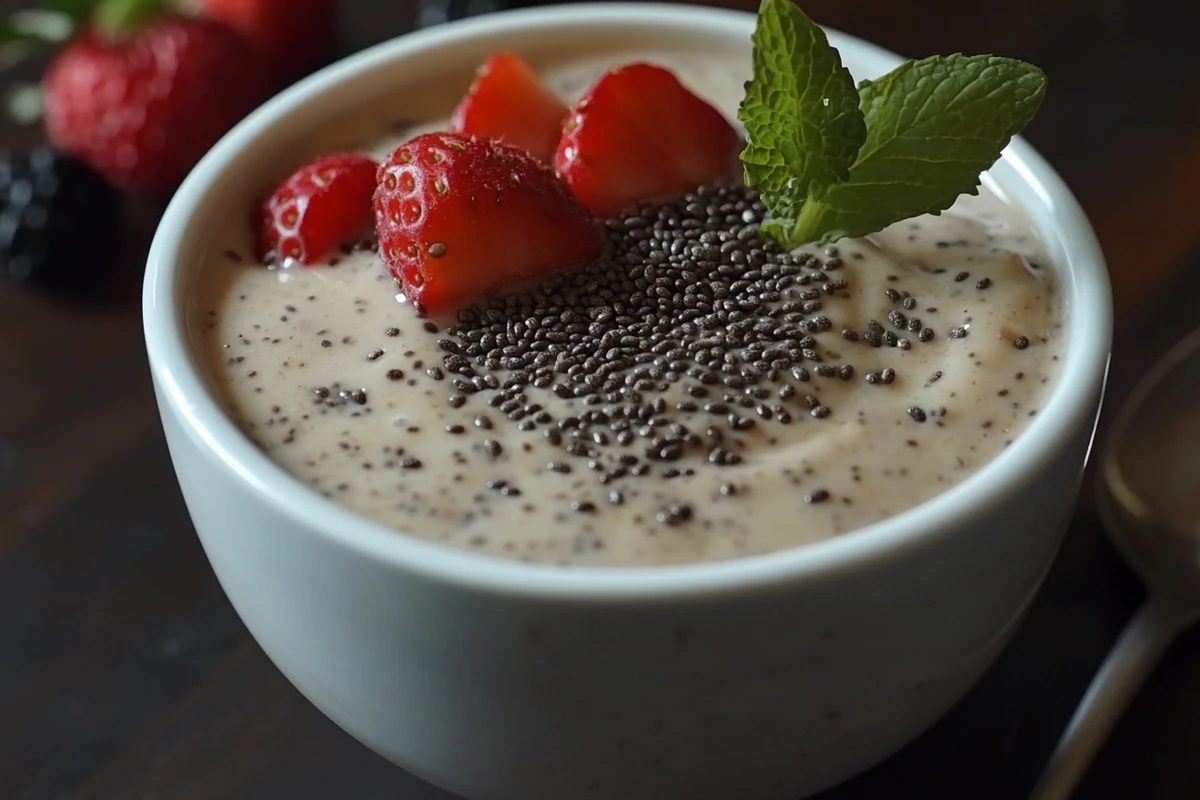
(803, 110)
(913, 141)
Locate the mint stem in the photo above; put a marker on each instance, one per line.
(809, 224)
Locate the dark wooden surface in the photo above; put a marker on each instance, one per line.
(125, 674)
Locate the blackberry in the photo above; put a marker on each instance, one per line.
(59, 220)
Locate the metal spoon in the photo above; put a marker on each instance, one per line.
(1149, 499)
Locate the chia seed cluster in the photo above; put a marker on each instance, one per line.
(565, 417)
(692, 333)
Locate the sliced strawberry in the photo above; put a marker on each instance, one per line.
(639, 134)
(459, 216)
(318, 207)
(508, 102)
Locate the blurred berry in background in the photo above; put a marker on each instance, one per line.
(59, 220)
(135, 93)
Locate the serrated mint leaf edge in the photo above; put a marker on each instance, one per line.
(819, 135)
(828, 214)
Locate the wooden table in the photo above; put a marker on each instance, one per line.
(124, 673)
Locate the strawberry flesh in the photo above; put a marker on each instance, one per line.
(508, 102)
(319, 206)
(639, 134)
(460, 216)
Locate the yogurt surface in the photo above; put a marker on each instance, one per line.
(916, 356)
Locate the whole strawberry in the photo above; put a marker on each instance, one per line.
(142, 97)
(459, 216)
(293, 35)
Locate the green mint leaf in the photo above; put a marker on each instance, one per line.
(932, 127)
(801, 112)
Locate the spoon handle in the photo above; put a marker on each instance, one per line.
(1133, 657)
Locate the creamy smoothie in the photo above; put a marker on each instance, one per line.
(695, 395)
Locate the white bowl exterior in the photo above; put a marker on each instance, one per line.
(775, 677)
(762, 694)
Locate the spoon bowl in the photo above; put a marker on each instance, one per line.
(1149, 488)
(1148, 494)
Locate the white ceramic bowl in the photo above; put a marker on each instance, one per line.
(769, 677)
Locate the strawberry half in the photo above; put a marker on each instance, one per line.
(318, 207)
(639, 134)
(508, 102)
(459, 216)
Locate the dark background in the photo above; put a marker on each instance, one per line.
(124, 673)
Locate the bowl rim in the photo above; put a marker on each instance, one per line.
(183, 390)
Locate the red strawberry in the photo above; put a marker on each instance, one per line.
(142, 107)
(508, 102)
(318, 207)
(639, 134)
(458, 216)
(292, 34)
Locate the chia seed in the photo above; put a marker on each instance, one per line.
(675, 514)
(356, 396)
